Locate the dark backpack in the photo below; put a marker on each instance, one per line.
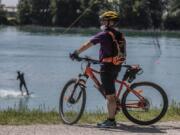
(119, 44)
(119, 49)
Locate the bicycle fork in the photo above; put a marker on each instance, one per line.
(82, 84)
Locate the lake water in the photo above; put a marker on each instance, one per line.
(43, 57)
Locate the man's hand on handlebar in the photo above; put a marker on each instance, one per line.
(74, 56)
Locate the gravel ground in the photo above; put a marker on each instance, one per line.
(167, 128)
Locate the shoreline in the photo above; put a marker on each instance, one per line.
(93, 30)
(25, 116)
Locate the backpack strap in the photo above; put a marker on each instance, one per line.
(116, 42)
(112, 35)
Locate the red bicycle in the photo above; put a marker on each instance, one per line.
(143, 103)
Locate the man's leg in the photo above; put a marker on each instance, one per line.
(26, 89)
(107, 79)
(111, 106)
(20, 87)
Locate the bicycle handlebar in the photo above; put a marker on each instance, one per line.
(88, 59)
(93, 61)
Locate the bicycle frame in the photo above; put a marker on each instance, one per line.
(130, 97)
(89, 72)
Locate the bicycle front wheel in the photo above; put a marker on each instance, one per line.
(72, 102)
(147, 106)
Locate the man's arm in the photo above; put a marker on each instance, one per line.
(84, 47)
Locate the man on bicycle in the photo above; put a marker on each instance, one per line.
(112, 54)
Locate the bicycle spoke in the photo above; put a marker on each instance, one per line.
(72, 103)
(71, 109)
(149, 108)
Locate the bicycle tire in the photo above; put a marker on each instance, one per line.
(157, 118)
(61, 109)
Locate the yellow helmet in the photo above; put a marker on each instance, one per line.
(110, 15)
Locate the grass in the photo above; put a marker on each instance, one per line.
(27, 117)
(173, 113)
(37, 116)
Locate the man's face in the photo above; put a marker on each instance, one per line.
(104, 22)
(107, 22)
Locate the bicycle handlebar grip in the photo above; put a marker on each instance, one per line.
(74, 56)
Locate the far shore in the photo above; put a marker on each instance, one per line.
(93, 30)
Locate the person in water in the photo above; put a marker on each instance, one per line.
(22, 83)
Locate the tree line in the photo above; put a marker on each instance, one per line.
(135, 14)
(3, 19)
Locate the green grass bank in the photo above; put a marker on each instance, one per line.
(37, 116)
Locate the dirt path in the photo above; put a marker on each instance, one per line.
(168, 128)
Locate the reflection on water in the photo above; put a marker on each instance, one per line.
(43, 57)
(7, 93)
(23, 103)
(13, 99)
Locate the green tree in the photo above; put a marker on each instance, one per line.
(156, 8)
(24, 13)
(67, 12)
(172, 19)
(142, 18)
(54, 12)
(3, 19)
(40, 12)
(127, 13)
(142, 13)
(92, 10)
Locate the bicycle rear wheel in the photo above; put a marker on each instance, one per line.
(148, 109)
(72, 102)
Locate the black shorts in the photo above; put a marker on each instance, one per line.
(108, 74)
